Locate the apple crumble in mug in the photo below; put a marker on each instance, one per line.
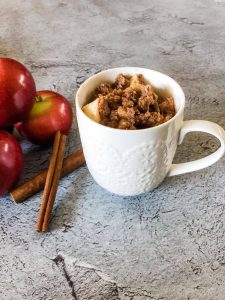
(129, 145)
(129, 103)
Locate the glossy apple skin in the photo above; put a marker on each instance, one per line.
(17, 92)
(11, 162)
(51, 112)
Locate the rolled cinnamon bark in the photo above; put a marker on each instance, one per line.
(36, 184)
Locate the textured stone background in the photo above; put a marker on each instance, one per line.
(167, 244)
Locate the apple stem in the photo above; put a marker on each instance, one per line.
(38, 98)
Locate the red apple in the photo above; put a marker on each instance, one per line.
(11, 162)
(17, 91)
(51, 112)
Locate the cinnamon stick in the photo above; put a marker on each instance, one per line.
(54, 185)
(36, 184)
(49, 179)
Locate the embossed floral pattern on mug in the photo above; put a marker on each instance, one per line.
(152, 157)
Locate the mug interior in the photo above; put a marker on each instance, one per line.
(161, 83)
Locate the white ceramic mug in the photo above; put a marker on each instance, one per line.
(131, 162)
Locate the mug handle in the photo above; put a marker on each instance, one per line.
(203, 126)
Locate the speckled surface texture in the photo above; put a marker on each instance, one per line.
(168, 244)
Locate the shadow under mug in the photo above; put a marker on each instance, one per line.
(132, 162)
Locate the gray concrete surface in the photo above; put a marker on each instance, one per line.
(168, 244)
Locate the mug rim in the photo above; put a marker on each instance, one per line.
(131, 131)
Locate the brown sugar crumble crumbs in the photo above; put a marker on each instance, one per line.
(130, 103)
